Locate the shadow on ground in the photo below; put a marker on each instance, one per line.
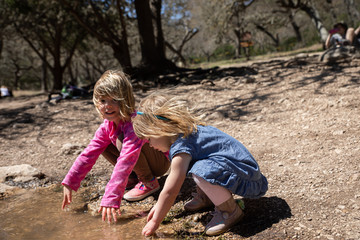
(260, 214)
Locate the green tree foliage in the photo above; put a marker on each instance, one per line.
(116, 17)
(4, 22)
(47, 28)
(78, 40)
(106, 21)
(224, 52)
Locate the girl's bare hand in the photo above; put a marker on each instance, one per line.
(108, 212)
(150, 228)
(67, 196)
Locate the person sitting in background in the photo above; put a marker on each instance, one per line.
(356, 41)
(340, 35)
(5, 92)
(69, 91)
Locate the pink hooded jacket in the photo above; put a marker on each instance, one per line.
(105, 135)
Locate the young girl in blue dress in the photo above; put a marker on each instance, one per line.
(219, 164)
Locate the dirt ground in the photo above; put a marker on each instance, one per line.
(298, 117)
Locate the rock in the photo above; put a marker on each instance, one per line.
(216, 116)
(71, 149)
(355, 177)
(4, 187)
(338, 132)
(93, 207)
(19, 173)
(207, 82)
(301, 56)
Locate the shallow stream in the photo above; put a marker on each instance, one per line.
(37, 214)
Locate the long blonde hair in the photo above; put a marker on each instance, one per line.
(115, 84)
(162, 115)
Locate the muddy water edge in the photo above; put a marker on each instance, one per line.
(37, 214)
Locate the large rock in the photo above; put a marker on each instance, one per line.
(19, 173)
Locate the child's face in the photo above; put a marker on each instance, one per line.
(162, 144)
(109, 109)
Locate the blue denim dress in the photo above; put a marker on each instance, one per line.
(221, 159)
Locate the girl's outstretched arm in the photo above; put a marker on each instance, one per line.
(174, 181)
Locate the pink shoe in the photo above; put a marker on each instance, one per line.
(142, 190)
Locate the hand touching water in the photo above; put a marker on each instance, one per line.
(67, 196)
(107, 212)
(151, 224)
(173, 183)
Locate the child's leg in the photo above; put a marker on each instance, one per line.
(200, 201)
(151, 163)
(227, 211)
(111, 154)
(350, 35)
(216, 193)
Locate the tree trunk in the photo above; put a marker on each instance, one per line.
(57, 72)
(119, 44)
(316, 19)
(149, 53)
(1, 43)
(159, 32)
(71, 75)
(295, 27)
(353, 12)
(153, 61)
(310, 10)
(125, 58)
(44, 86)
(275, 39)
(16, 76)
(238, 37)
(177, 52)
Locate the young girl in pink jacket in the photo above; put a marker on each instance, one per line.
(116, 141)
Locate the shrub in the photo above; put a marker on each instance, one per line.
(223, 52)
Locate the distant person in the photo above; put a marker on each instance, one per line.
(116, 141)
(5, 91)
(69, 91)
(356, 41)
(246, 42)
(220, 165)
(340, 35)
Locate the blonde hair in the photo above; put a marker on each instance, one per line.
(161, 115)
(116, 85)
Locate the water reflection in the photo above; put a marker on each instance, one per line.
(37, 214)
